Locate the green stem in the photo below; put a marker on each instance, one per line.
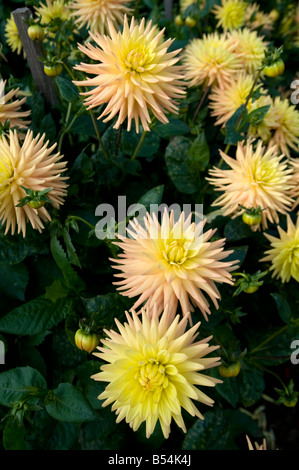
(139, 145)
(91, 115)
(267, 340)
(82, 220)
(98, 134)
(65, 128)
(275, 375)
(201, 102)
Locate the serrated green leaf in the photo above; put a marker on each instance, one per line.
(173, 128)
(69, 405)
(283, 307)
(67, 89)
(72, 279)
(14, 280)
(18, 383)
(35, 316)
(212, 433)
(251, 385)
(199, 154)
(176, 157)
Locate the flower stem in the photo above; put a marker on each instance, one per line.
(201, 102)
(267, 340)
(91, 115)
(76, 217)
(138, 147)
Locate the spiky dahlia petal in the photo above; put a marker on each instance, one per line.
(224, 102)
(11, 109)
(51, 10)
(134, 74)
(153, 369)
(283, 121)
(257, 177)
(249, 47)
(230, 14)
(210, 61)
(170, 263)
(94, 14)
(284, 252)
(29, 163)
(12, 36)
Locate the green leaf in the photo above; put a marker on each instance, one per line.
(18, 383)
(283, 307)
(35, 316)
(105, 308)
(239, 254)
(69, 405)
(153, 196)
(228, 389)
(72, 279)
(14, 437)
(64, 436)
(256, 116)
(48, 126)
(67, 89)
(14, 280)
(212, 433)
(179, 171)
(234, 135)
(235, 230)
(56, 291)
(199, 154)
(150, 145)
(173, 128)
(251, 385)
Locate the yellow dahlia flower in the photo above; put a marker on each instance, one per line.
(53, 9)
(210, 61)
(283, 120)
(134, 74)
(172, 262)
(224, 102)
(284, 252)
(32, 165)
(95, 13)
(249, 47)
(257, 19)
(257, 177)
(294, 163)
(230, 14)
(153, 371)
(13, 37)
(11, 110)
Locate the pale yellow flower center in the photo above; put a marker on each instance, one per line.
(152, 375)
(137, 59)
(6, 170)
(176, 252)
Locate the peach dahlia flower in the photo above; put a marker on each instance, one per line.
(210, 61)
(154, 369)
(30, 164)
(256, 177)
(11, 109)
(133, 74)
(172, 262)
(94, 13)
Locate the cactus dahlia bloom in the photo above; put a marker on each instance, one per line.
(284, 252)
(12, 36)
(172, 262)
(153, 371)
(53, 9)
(294, 163)
(230, 14)
(257, 177)
(249, 47)
(94, 13)
(210, 61)
(11, 110)
(32, 165)
(283, 120)
(257, 19)
(224, 102)
(134, 74)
